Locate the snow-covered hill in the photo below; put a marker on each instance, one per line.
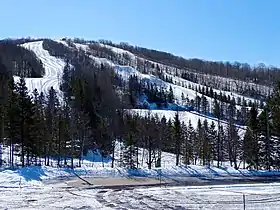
(180, 86)
(53, 69)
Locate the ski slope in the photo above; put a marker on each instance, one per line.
(53, 70)
(126, 71)
(179, 87)
(178, 80)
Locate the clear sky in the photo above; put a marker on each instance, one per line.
(227, 30)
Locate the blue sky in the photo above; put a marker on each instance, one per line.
(227, 30)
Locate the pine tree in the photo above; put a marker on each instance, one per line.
(251, 147)
(243, 113)
(198, 103)
(199, 141)
(67, 81)
(37, 128)
(189, 144)
(25, 109)
(52, 125)
(206, 145)
(129, 154)
(170, 95)
(4, 78)
(223, 153)
(13, 121)
(266, 143)
(204, 105)
(213, 142)
(273, 124)
(233, 144)
(177, 135)
(231, 110)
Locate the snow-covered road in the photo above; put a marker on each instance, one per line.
(206, 197)
(258, 196)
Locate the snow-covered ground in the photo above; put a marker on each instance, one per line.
(256, 196)
(94, 166)
(206, 197)
(44, 187)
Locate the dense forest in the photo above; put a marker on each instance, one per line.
(95, 113)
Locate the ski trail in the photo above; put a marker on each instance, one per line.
(53, 70)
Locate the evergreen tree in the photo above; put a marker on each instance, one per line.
(251, 147)
(4, 78)
(189, 144)
(25, 110)
(170, 95)
(52, 125)
(266, 142)
(13, 120)
(37, 128)
(206, 144)
(199, 141)
(198, 103)
(233, 144)
(129, 156)
(177, 135)
(216, 109)
(204, 105)
(213, 142)
(273, 123)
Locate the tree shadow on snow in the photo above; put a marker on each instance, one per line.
(32, 173)
(96, 156)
